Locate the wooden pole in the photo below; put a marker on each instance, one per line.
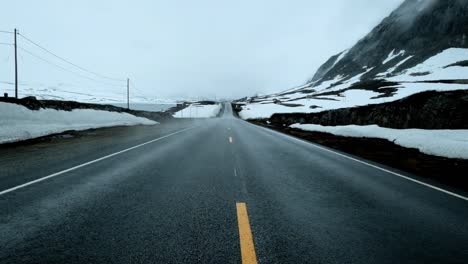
(16, 65)
(128, 93)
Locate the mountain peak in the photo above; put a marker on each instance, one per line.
(417, 28)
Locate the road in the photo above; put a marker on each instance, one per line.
(199, 191)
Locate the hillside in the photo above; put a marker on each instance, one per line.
(421, 46)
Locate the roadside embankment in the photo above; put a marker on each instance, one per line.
(422, 134)
(34, 104)
(28, 118)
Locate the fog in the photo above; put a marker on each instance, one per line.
(174, 49)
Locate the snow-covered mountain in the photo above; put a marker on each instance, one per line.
(421, 46)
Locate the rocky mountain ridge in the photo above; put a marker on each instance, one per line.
(415, 31)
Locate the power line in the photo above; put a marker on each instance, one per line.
(76, 70)
(57, 88)
(69, 62)
(67, 70)
(72, 85)
(54, 86)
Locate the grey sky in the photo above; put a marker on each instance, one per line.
(191, 48)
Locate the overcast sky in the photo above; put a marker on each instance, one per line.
(177, 48)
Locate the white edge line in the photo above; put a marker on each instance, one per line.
(88, 163)
(370, 165)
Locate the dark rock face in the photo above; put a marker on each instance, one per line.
(428, 110)
(460, 63)
(236, 108)
(385, 88)
(422, 28)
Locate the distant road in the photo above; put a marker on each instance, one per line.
(218, 190)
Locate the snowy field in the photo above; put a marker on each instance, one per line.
(161, 107)
(84, 94)
(199, 111)
(337, 93)
(443, 143)
(20, 123)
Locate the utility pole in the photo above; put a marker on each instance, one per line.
(16, 66)
(128, 93)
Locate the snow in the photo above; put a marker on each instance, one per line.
(349, 82)
(20, 123)
(391, 70)
(160, 107)
(312, 101)
(199, 111)
(80, 92)
(435, 67)
(340, 57)
(443, 143)
(393, 55)
(325, 85)
(349, 98)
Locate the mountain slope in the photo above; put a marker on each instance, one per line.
(420, 46)
(418, 28)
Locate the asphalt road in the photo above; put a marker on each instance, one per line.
(173, 200)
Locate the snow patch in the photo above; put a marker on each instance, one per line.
(443, 143)
(340, 57)
(434, 67)
(20, 123)
(391, 70)
(393, 55)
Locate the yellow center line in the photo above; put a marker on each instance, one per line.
(245, 235)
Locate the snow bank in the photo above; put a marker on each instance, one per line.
(444, 143)
(199, 111)
(20, 123)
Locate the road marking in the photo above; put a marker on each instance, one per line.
(245, 235)
(368, 164)
(89, 163)
(230, 139)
